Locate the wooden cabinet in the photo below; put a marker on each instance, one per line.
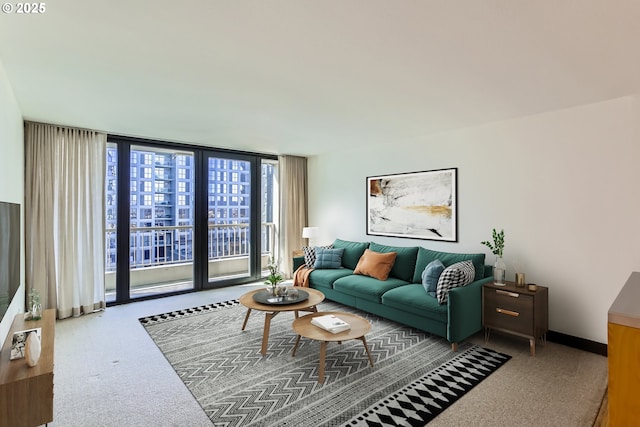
(26, 394)
(516, 310)
(623, 330)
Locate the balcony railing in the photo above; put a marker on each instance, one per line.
(165, 245)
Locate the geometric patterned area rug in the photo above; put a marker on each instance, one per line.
(415, 376)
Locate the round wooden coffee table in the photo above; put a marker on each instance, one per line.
(272, 310)
(359, 327)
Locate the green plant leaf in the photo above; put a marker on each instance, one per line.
(497, 248)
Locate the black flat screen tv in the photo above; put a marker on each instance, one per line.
(9, 254)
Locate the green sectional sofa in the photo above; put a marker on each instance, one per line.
(402, 297)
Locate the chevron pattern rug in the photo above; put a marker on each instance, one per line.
(416, 375)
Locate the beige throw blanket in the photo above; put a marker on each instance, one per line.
(301, 276)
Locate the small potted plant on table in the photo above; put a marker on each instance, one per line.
(274, 279)
(497, 248)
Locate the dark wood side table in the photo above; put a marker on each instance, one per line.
(516, 310)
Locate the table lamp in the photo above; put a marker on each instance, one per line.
(310, 233)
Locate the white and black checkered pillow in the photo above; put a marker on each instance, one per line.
(310, 254)
(458, 274)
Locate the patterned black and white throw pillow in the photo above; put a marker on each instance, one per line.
(310, 254)
(458, 274)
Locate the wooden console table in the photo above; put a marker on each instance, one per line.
(26, 394)
(624, 346)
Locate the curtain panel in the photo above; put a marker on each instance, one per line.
(293, 208)
(64, 217)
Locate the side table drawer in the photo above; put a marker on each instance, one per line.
(508, 310)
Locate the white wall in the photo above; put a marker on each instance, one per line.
(11, 178)
(562, 184)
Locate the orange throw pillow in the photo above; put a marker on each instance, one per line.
(375, 264)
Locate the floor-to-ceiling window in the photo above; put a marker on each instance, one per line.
(230, 241)
(111, 222)
(269, 196)
(182, 218)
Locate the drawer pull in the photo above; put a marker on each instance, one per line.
(508, 312)
(507, 293)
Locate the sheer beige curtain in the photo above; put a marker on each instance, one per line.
(293, 208)
(64, 217)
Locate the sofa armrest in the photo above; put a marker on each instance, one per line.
(465, 310)
(297, 262)
(488, 271)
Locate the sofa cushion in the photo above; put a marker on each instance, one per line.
(325, 278)
(458, 274)
(413, 299)
(310, 254)
(375, 264)
(430, 276)
(352, 252)
(405, 262)
(328, 258)
(425, 256)
(366, 287)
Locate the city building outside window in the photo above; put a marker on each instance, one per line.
(167, 180)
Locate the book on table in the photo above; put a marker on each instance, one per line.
(331, 323)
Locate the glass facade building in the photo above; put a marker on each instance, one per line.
(162, 212)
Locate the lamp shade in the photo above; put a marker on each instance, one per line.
(309, 232)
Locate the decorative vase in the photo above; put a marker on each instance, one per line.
(281, 290)
(499, 272)
(32, 349)
(36, 311)
(276, 289)
(292, 293)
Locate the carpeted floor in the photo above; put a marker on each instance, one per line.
(415, 377)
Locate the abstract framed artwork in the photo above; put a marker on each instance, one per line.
(417, 205)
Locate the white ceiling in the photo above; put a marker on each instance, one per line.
(305, 76)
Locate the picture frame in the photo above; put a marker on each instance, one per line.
(19, 340)
(416, 205)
